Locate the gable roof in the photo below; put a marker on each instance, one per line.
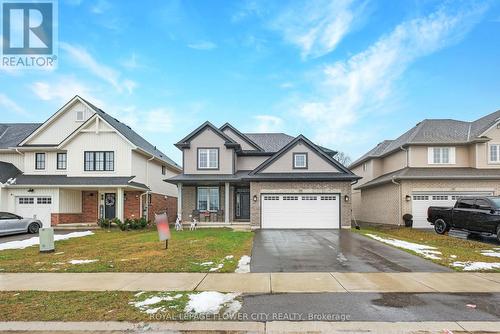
(270, 142)
(11, 134)
(7, 171)
(313, 147)
(241, 135)
(434, 132)
(186, 141)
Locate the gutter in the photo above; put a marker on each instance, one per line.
(399, 199)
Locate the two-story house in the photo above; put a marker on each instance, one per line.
(433, 163)
(267, 180)
(81, 165)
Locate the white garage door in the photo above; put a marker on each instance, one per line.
(422, 201)
(38, 207)
(300, 211)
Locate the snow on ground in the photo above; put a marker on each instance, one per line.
(81, 261)
(243, 265)
(476, 266)
(428, 252)
(150, 305)
(212, 302)
(209, 263)
(21, 244)
(218, 267)
(493, 252)
(229, 257)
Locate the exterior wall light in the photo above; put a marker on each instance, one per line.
(408, 198)
(255, 198)
(346, 198)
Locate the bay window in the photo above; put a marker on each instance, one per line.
(208, 198)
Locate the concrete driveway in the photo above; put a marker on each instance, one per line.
(330, 251)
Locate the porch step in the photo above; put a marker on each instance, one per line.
(79, 226)
(237, 226)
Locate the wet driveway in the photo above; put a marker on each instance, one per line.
(330, 251)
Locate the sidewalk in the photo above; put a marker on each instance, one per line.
(255, 327)
(255, 282)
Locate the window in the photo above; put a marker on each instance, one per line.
(39, 160)
(208, 158)
(99, 161)
(44, 200)
(328, 198)
(208, 198)
(309, 198)
(26, 200)
(6, 215)
(466, 204)
(300, 160)
(290, 198)
(483, 204)
(365, 167)
(80, 115)
(271, 198)
(61, 160)
(163, 170)
(440, 198)
(494, 155)
(420, 197)
(441, 155)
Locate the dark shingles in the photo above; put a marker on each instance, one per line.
(8, 171)
(11, 134)
(63, 180)
(270, 142)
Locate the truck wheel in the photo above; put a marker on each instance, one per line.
(440, 226)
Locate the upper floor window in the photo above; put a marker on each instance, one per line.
(39, 161)
(494, 155)
(80, 115)
(99, 161)
(62, 159)
(163, 170)
(441, 155)
(300, 160)
(208, 158)
(365, 167)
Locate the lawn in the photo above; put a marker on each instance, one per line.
(136, 251)
(447, 250)
(110, 306)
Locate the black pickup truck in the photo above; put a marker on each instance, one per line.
(473, 214)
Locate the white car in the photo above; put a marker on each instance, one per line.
(12, 224)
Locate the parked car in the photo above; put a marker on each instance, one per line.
(473, 214)
(12, 224)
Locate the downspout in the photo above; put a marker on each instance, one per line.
(407, 162)
(147, 184)
(399, 200)
(356, 225)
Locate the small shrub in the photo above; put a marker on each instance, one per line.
(104, 223)
(121, 225)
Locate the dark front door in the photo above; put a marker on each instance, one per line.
(109, 206)
(242, 205)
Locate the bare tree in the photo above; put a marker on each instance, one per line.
(343, 158)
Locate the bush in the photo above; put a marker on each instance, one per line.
(104, 223)
(121, 225)
(131, 224)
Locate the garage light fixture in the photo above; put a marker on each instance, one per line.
(346, 198)
(31, 190)
(408, 198)
(255, 198)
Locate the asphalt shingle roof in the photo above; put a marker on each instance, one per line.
(270, 142)
(11, 134)
(63, 180)
(8, 171)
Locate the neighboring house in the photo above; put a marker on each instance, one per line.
(80, 165)
(270, 180)
(433, 163)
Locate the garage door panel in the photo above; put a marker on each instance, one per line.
(300, 211)
(38, 207)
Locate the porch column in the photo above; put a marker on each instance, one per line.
(226, 202)
(120, 204)
(179, 200)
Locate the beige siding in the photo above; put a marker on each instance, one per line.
(380, 204)
(208, 139)
(61, 127)
(482, 150)
(393, 162)
(14, 158)
(284, 164)
(419, 157)
(344, 188)
(244, 145)
(249, 163)
(50, 163)
(70, 201)
(11, 195)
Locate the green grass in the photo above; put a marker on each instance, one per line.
(452, 249)
(90, 306)
(135, 251)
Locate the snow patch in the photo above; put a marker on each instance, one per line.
(492, 252)
(212, 302)
(209, 263)
(21, 244)
(428, 252)
(229, 257)
(149, 305)
(81, 261)
(218, 267)
(476, 266)
(243, 265)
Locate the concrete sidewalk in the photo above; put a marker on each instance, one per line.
(254, 282)
(253, 327)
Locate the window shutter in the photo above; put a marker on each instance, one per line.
(452, 155)
(430, 155)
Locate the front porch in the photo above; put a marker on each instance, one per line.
(214, 204)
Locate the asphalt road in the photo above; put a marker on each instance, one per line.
(372, 307)
(330, 251)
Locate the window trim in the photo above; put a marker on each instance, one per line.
(41, 154)
(163, 170)
(104, 161)
(295, 154)
(65, 160)
(451, 155)
(83, 116)
(217, 149)
(208, 198)
(489, 153)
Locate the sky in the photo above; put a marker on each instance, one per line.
(347, 74)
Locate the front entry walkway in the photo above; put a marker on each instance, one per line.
(330, 251)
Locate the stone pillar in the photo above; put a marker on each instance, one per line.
(179, 200)
(226, 202)
(120, 204)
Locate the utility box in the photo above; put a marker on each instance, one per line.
(46, 235)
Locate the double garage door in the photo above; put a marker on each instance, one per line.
(38, 207)
(422, 201)
(300, 211)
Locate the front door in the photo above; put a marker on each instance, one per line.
(242, 206)
(109, 206)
